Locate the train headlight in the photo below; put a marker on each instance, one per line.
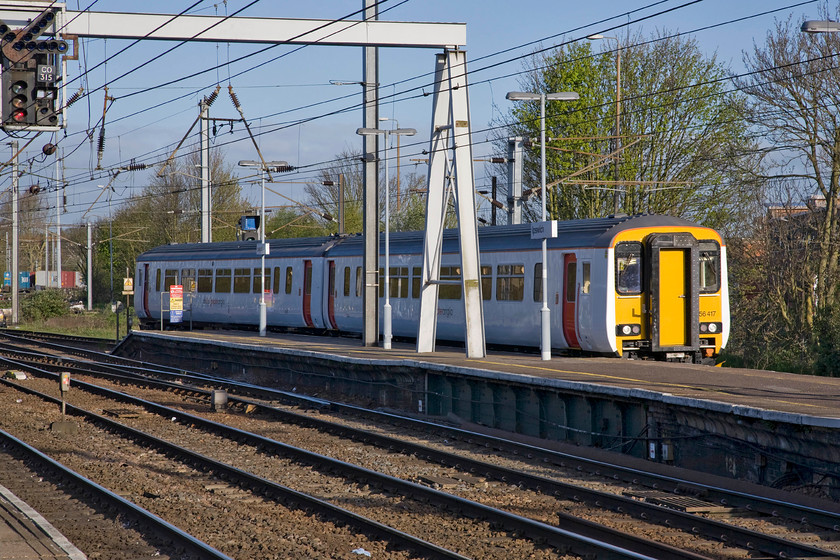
(711, 328)
(628, 330)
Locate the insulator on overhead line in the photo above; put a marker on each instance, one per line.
(233, 97)
(100, 146)
(75, 97)
(136, 166)
(210, 99)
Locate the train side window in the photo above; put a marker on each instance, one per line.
(628, 268)
(538, 282)
(288, 279)
(450, 274)
(359, 281)
(157, 280)
(205, 280)
(188, 279)
(486, 282)
(346, 281)
(275, 287)
(241, 280)
(382, 282)
(510, 282)
(398, 282)
(585, 277)
(257, 284)
(416, 279)
(170, 278)
(709, 267)
(571, 281)
(223, 281)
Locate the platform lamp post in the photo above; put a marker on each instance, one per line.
(545, 312)
(262, 250)
(386, 309)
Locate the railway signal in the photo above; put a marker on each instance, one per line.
(31, 73)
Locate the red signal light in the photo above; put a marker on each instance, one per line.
(19, 115)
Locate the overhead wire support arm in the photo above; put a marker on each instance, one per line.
(207, 101)
(236, 104)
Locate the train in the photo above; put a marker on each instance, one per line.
(644, 286)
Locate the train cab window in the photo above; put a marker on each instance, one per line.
(188, 279)
(170, 278)
(359, 279)
(709, 267)
(346, 281)
(223, 281)
(205, 280)
(288, 279)
(241, 280)
(257, 284)
(416, 281)
(486, 282)
(571, 281)
(157, 280)
(628, 268)
(510, 282)
(585, 273)
(275, 287)
(538, 282)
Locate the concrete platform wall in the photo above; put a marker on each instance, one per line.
(774, 449)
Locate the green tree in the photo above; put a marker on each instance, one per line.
(682, 149)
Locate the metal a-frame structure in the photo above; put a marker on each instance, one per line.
(451, 172)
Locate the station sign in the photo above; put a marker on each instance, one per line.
(544, 230)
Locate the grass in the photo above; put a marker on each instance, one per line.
(99, 323)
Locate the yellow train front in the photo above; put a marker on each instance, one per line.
(669, 291)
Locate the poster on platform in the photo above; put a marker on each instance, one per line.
(176, 303)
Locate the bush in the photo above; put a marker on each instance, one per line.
(42, 305)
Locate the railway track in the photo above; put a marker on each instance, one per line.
(540, 487)
(91, 516)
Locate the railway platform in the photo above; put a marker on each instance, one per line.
(25, 535)
(772, 428)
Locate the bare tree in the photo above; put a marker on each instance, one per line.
(794, 85)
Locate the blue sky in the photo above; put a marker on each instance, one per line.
(285, 80)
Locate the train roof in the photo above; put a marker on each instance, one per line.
(595, 232)
(293, 247)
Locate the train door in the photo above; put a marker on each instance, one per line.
(570, 289)
(331, 295)
(674, 292)
(307, 293)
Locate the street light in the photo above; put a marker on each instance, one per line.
(545, 312)
(397, 122)
(818, 26)
(616, 157)
(262, 250)
(386, 310)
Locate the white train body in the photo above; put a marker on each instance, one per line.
(643, 285)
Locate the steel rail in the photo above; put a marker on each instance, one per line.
(581, 537)
(169, 531)
(709, 528)
(724, 496)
